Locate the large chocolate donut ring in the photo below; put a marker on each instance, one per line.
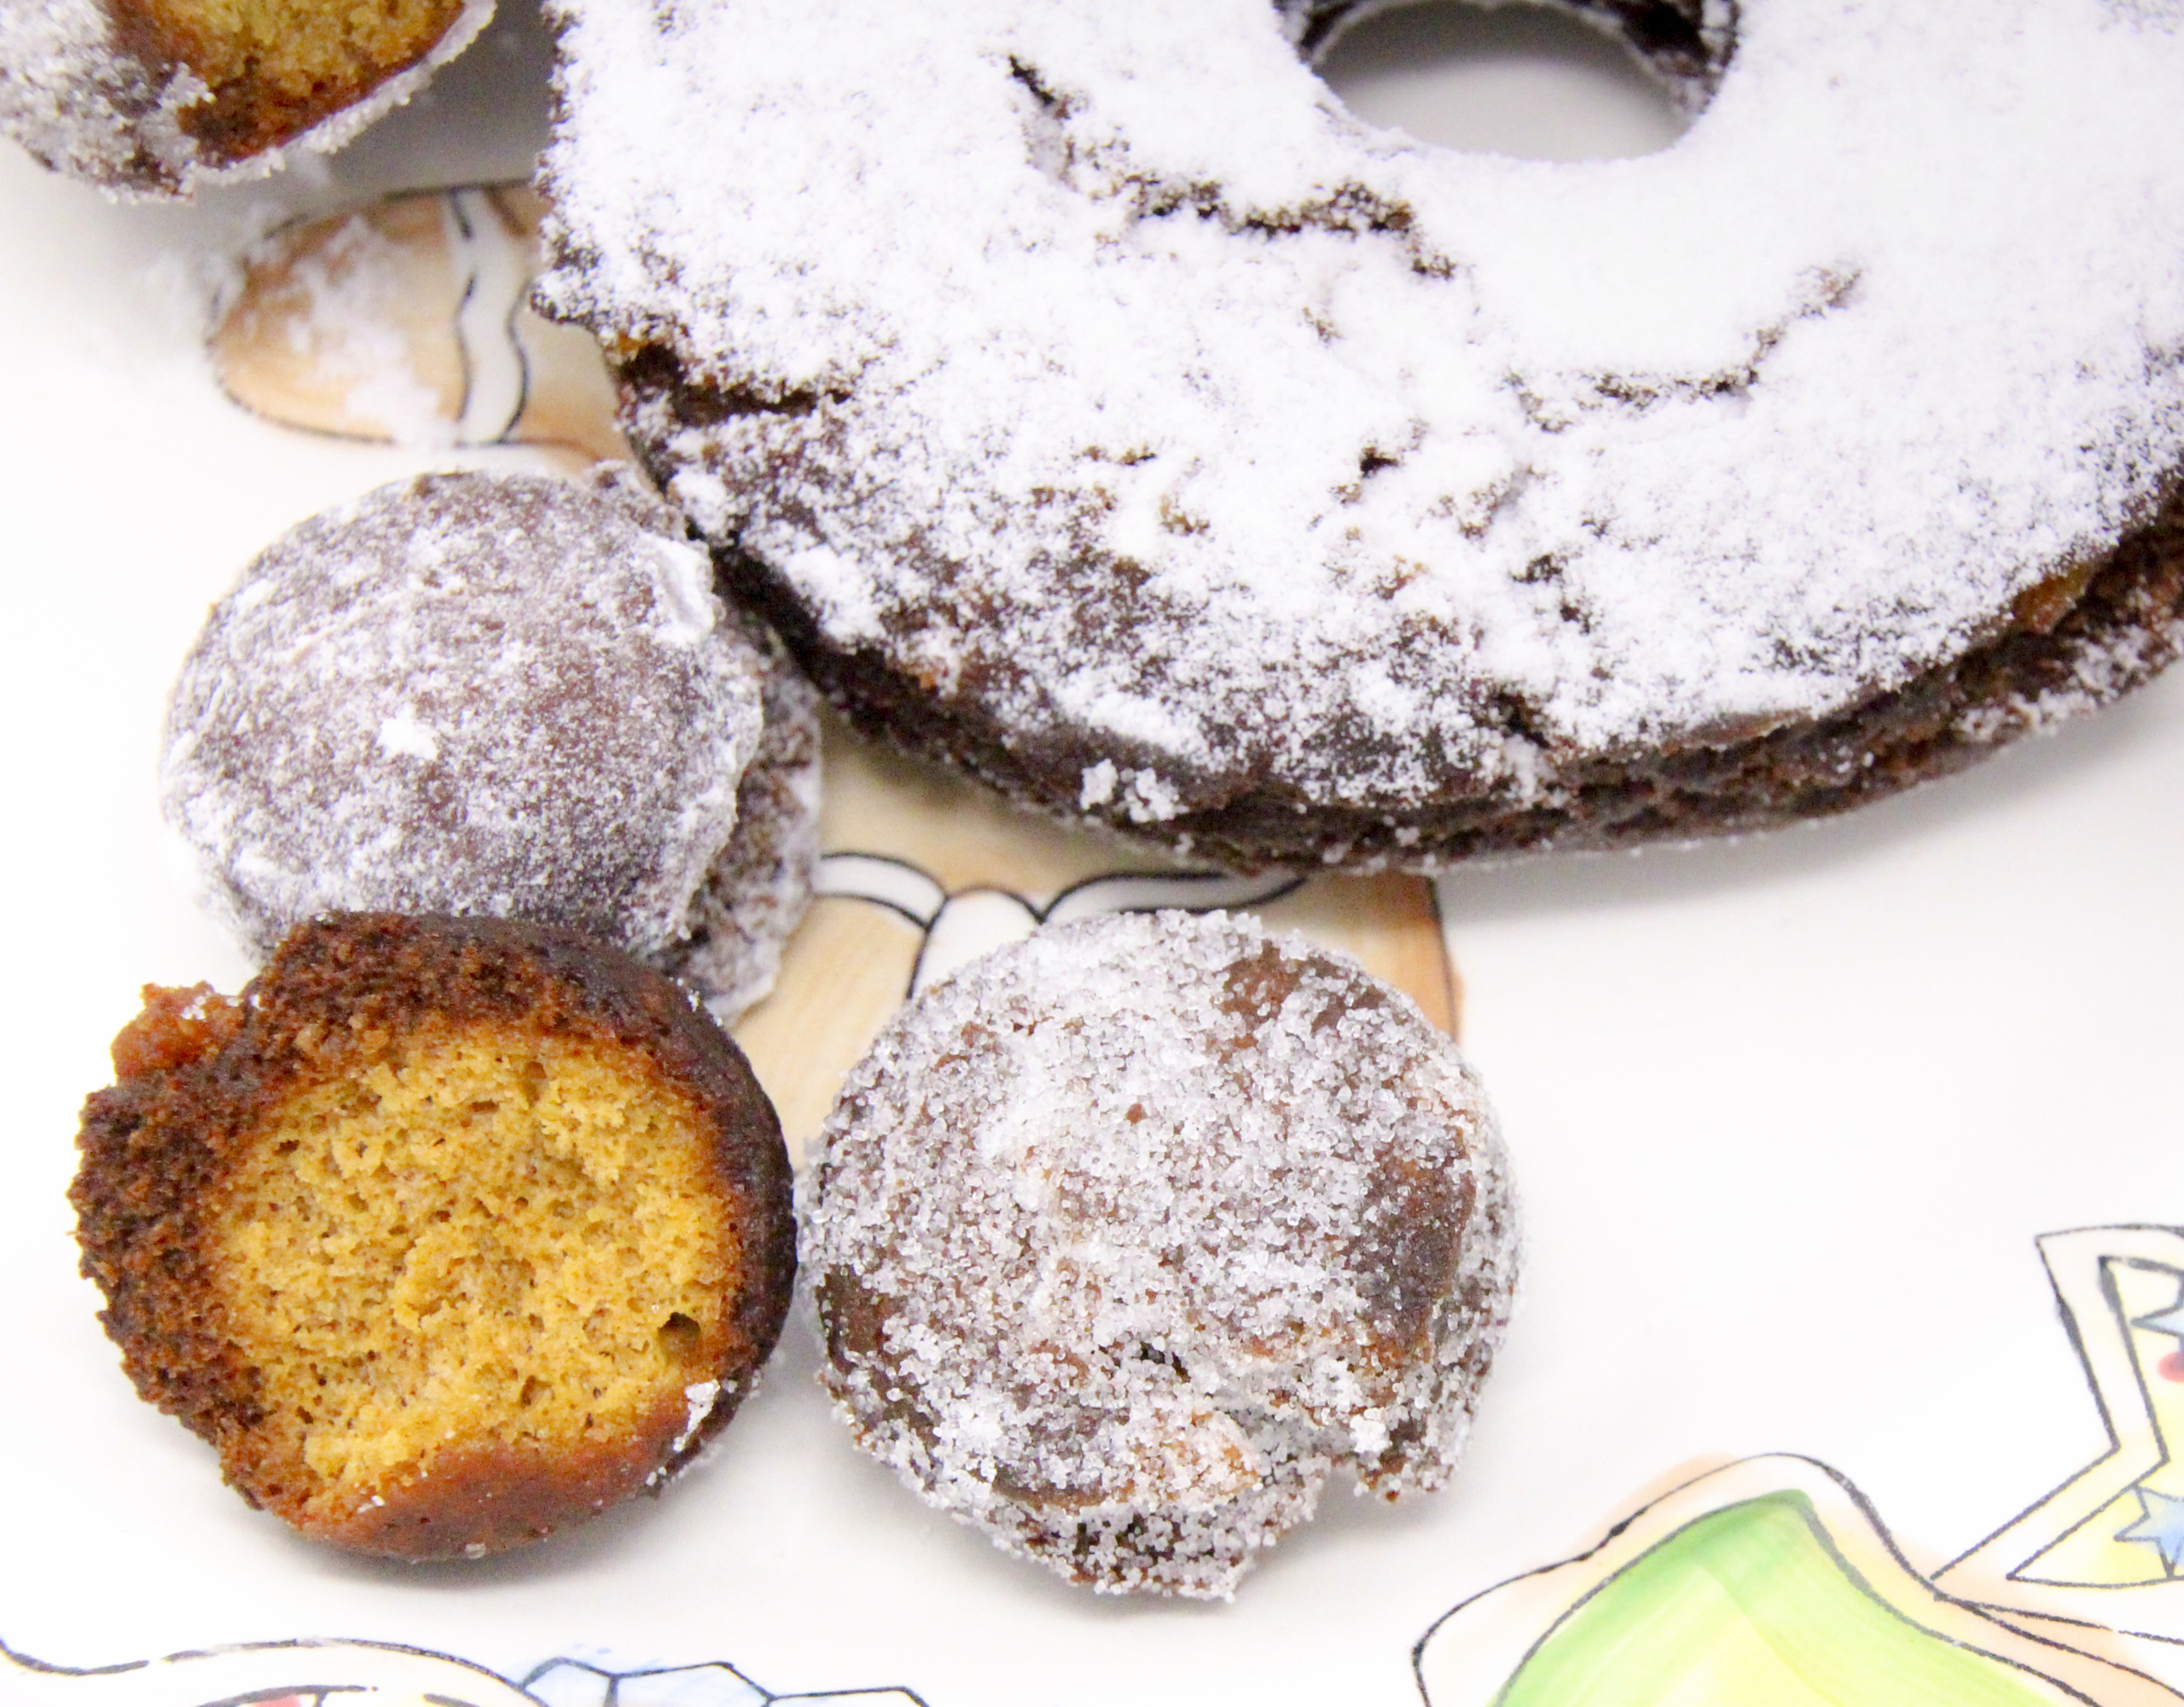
(1091, 400)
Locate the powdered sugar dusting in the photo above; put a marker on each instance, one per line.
(700, 1397)
(1129, 1236)
(466, 693)
(354, 334)
(759, 888)
(402, 732)
(1094, 353)
(67, 97)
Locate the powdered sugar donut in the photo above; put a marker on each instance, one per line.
(159, 97)
(1132, 1235)
(468, 694)
(1106, 409)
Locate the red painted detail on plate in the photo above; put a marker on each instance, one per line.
(2171, 1368)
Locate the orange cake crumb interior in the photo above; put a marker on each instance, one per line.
(275, 67)
(469, 1241)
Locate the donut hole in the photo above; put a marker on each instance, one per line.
(1542, 82)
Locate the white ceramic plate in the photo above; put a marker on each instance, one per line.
(1787, 1115)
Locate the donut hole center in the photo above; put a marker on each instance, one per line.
(1542, 82)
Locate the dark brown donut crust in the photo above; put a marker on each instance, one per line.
(2089, 633)
(155, 1146)
(153, 98)
(2085, 636)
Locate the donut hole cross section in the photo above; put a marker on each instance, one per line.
(1544, 82)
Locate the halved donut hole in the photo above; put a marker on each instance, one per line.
(1543, 82)
(491, 1250)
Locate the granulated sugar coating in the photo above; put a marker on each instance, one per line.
(1129, 1237)
(1095, 402)
(469, 694)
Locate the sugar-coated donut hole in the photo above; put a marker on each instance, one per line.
(1536, 81)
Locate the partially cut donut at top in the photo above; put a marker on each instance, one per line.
(157, 97)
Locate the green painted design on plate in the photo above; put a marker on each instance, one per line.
(1753, 1606)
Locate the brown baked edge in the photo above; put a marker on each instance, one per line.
(2081, 640)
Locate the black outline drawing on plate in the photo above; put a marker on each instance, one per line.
(960, 924)
(335, 1674)
(321, 302)
(2106, 1548)
(497, 267)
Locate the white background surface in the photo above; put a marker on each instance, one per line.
(1787, 1115)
